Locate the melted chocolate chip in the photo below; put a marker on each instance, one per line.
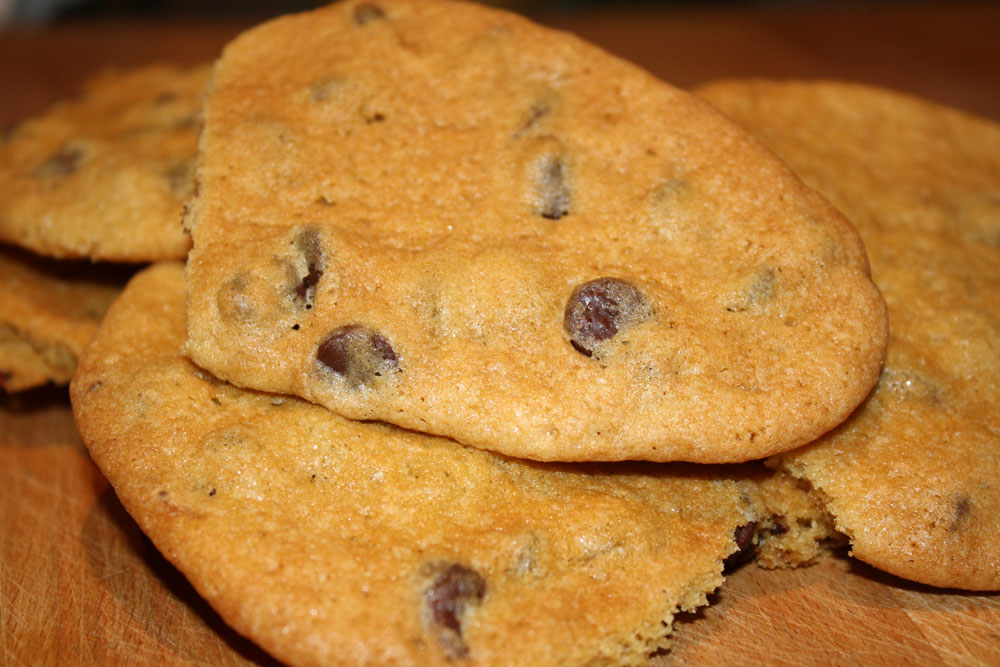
(307, 242)
(366, 13)
(234, 300)
(553, 189)
(961, 510)
(535, 113)
(453, 588)
(357, 353)
(760, 290)
(743, 536)
(63, 162)
(599, 309)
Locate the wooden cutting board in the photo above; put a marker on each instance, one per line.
(80, 585)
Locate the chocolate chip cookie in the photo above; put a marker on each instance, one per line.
(445, 217)
(334, 541)
(106, 176)
(912, 476)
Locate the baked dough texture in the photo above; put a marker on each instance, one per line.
(106, 176)
(912, 476)
(48, 312)
(330, 541)
(444, 217)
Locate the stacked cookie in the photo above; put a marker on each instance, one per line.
(103, 178)
(484, 332)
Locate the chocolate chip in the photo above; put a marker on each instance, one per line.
(537, 111)
(234, 301)
(599, 309)
(180, 179)
(552, 188)
(366, 13)
(961, 510)
(452, 589)
(358, 354)
(743, 536)
(307, 243)
(759, 290)
(63, 162)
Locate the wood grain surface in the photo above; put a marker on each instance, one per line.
(81, 585)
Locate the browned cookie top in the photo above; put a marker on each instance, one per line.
(106, 176)
(331, 541)
(911, 478)
(447, 218)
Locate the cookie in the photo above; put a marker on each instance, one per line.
(48, 312)
(465, 224)
(330, 541)
(911, 478)
(106, 176)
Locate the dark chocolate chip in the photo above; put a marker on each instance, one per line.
(553, 188)
(308, 244)
(743, 536)
(599, 309)
(63, 162)
(367, 12)
(357, 353)
(234, 300)
(453, 588)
